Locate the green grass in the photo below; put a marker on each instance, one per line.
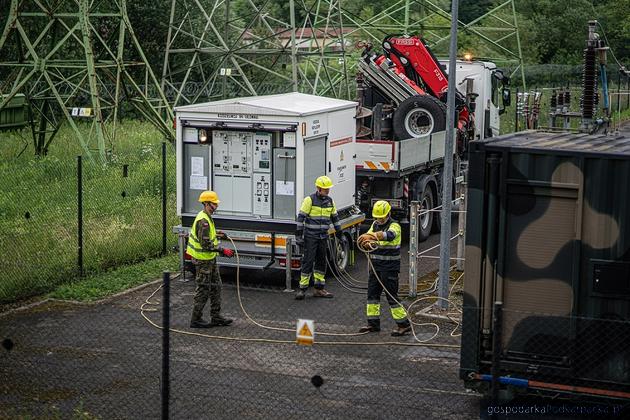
(101, 285)
(122, 221)
(621, 117)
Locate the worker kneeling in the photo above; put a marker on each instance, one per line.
(385, 234)
(203, 247)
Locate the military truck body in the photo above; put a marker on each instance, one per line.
(548, 247)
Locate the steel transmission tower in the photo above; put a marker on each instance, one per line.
(216, 50)
(77, 61)
(219, 48)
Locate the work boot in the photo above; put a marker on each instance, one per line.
(200, 323)
(322, 293)
(369, 329)
(400, 330)
(220, 321)
(300, 294)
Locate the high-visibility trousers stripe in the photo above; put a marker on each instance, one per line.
(319, 277)
(373, 310)
(304, 279)
(398, 313)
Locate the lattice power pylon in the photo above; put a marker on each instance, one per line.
(214, 51)
(77, 61)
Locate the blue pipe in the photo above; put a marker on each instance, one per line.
(507, 380)
(602, 71)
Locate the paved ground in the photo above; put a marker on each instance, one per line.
(105, 359)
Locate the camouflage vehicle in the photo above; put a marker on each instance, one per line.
(548, 248)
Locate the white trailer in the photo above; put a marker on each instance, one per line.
(262, 155)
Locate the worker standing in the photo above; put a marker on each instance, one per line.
(386, 262)
(203, 248)
(316, 214)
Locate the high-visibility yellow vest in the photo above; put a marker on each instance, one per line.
(194, 248)
(387, 255)
(316, 215)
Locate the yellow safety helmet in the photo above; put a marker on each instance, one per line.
(323, 182)
(381, 209)
(209, 197)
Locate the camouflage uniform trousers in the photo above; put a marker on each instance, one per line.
(208, 287)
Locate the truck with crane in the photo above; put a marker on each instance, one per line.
(402, 122)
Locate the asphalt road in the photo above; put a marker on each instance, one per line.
(104, 359)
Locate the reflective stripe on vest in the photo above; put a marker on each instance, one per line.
(194, 248)
(384, 257)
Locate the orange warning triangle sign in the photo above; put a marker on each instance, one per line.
(304, 331)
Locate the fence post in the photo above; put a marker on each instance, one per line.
(413, 248)
(80, 215)
(461, 227)
(618, 97)
(497, 325)
(164, 198)
(516, 111)
(166, 321)
(289, 264)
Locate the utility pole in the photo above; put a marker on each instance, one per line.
(445, 235)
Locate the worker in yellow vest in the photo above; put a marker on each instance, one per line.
(203, 247)
(386, 262)
(317, 214)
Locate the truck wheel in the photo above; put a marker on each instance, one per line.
(341, 258)
(425, 220)
(419, 116)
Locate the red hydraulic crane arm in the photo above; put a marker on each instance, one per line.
(412, 55)
(398, 69)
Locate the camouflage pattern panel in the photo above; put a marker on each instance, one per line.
(475, 228)
(549, 236)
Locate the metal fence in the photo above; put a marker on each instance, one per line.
(114, 359)
(62, 219)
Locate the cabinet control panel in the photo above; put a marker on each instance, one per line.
(262, 197)
(262, 152)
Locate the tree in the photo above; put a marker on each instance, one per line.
(470, 10)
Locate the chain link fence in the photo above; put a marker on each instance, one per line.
(62, 219)
(106, 360)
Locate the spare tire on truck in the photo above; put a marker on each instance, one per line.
(419, 116)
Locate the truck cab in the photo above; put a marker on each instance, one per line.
(485, 83)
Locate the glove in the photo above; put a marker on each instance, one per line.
(367, 241)
(227, 252)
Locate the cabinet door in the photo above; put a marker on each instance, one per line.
(284, 184)
(314, 161)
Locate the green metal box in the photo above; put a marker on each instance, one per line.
(14, 115)
(548, 236)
